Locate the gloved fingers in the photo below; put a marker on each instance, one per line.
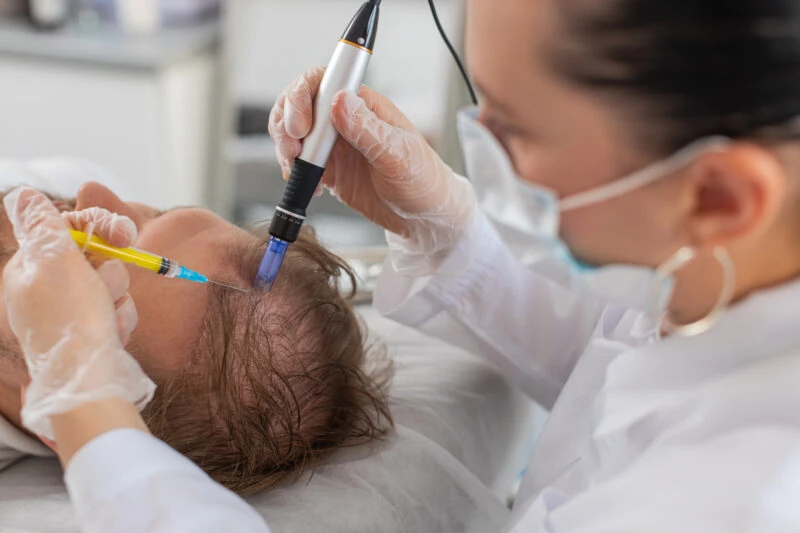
(117, 280)
(298, 111)
(115, 277)
(38, 226)
(115, 229)
(127, 317)
(287, 148)
(384, 145)
(385, 109)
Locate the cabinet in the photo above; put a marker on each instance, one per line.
(142, 107)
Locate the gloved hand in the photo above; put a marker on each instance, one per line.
(63, 313)
(382, 167)
(118, 231)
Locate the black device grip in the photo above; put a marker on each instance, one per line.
(303, 181)
(297, 195)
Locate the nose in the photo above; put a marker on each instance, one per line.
(94, 194)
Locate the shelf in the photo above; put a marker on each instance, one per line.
(108, 46)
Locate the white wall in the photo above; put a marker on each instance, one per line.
(62, 109)
(274, 41)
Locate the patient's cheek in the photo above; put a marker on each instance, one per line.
(159, 358)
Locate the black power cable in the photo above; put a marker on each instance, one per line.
(453, 52)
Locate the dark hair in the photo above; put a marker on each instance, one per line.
(279, 381)
(689, 68)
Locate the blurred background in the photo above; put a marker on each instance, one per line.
(173, 96)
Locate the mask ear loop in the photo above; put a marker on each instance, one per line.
(646, 176)
(664, 275)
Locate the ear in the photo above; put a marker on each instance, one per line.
(737, 194)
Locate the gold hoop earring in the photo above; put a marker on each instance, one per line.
(664, 275)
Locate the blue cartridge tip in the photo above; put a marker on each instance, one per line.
(271, 264)
(191, 275)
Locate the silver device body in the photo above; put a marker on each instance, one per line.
(345, 71)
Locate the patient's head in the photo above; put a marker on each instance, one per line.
(254, 387)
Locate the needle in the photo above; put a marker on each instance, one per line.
(229, 287)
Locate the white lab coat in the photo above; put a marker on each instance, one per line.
(689, 434)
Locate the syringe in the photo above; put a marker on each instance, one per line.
(160, 265)
(345, 72)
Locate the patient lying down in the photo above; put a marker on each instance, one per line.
(254, 388)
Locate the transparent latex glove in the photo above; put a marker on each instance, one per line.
(383, 168)
(119, 231)
(63, 313)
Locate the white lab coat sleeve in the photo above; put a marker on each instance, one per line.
(483, 299)
(128, 481)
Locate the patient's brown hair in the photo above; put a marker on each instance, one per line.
(278, 381)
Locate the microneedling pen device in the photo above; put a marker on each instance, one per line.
(345, 72)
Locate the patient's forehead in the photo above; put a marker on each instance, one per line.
(171, 312)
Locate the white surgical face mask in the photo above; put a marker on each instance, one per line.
(527, 215)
